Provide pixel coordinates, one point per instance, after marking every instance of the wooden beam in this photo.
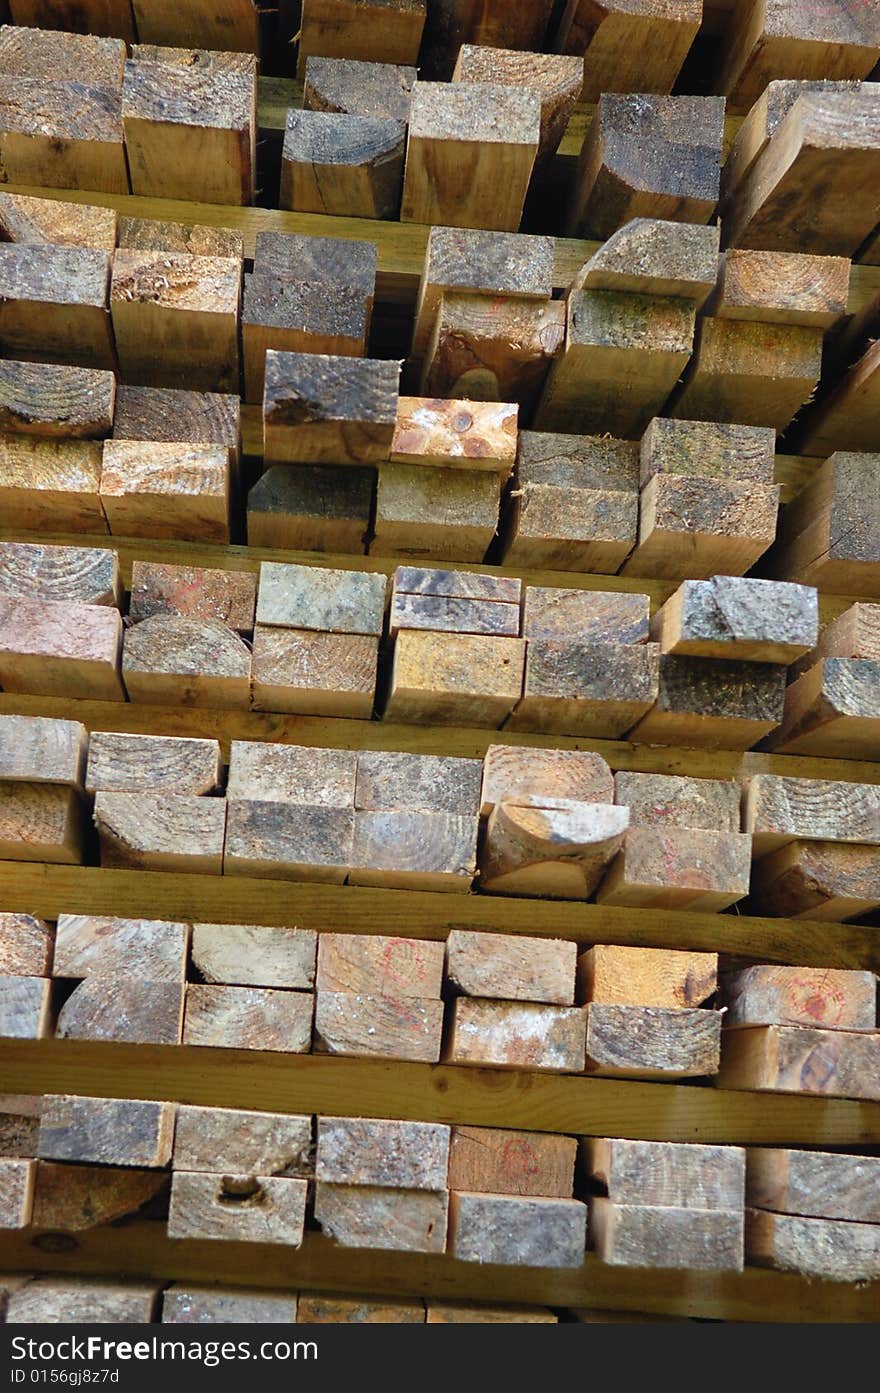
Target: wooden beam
(628, 48)
(374, 31)
(108, 17)
(342, 164)
(557, 80)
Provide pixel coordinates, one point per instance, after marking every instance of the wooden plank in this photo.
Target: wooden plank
(249, 1018)
(237, 1208)
(194, 1305)
(678, 868)
(311, 508)
(191, 662)
(161, 832)
(49, 1299)
(219, 24)
(419, 850)
(292, 774)
(774, 41)
(190, 129)
(731, 617)
(365, 1216)
(25, 1008)
(650, 157)
(40, 750)
(64, 134)
(470, 435)
(46, 484)
(824, 141)
(380, 31)
(426, 783)
(378, 1027)
(707, 449)
(71, 1199)
(509, 773)
(650, 256)
(672, 979)
(283, 841)
(454, 678)
(160, 489)
(390, 1155)
(799, 996)
(106, 17)
(781, 288)
(556, 78)
(562, 1103)
(135, 763)
(668, 1175)
(228, 596)
(26, 948)
(54, 304)
(623, 355)
(470, 154)
(157, 413)
(175, 313)
(104, 1131)
(516, 1035)
(449, 613)
(817, 880)
(17, 1181)
(511, 969)
(829, 535)
(517, 25)
(436, 514)
(299, 317)
(629, 48)
(106, 946)
(755, 1294)
(353, 88)
(842, 418)
(832, 1250)
(492, 347)
(555, 852)
(41, 822)
(713, 703)
(37, 221)
(342, 164)
(574, 504)
(660, 800)
(379, 966)
(648, 1236)
(82, 575)
(50, 647)
(517, 1231)
(831, 707)
(349, 1310)
(745, 370)
(577, 616)
(125, 1010)
(817, 1184)
(651, 1042)
(245, 955)
(490, 1160)
(362, 912)
(801, 1059)
(299, 671)
(351, 415)
(39, 399)
(152, 235)
(778, 810)
(592, 689)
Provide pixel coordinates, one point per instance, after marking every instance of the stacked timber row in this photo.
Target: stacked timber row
(238, 788)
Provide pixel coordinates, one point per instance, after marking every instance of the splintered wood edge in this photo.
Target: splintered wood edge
(142, 1249)
(47, 891)
(453, 1094)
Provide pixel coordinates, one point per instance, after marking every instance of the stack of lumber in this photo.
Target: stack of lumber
(646, 1012)
(440, 494)
(832, 705)
(56, 1300)
(166, 122)
(305, 295)
(800, 1030)
(515, 1003)
(184, 644)
(683, 848)
(802, 173)
(316, 640)
(814, 1212)
(42, 767)
(631, 315)
(486, 326)
(758, 351)
(816, 846)
(667, 1205)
